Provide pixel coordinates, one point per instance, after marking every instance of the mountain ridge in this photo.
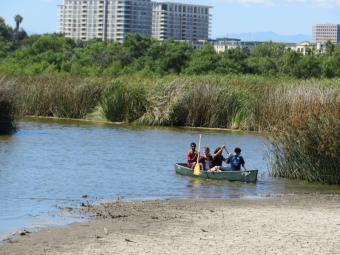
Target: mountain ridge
(269, 36)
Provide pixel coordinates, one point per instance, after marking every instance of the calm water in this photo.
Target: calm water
(48, 165)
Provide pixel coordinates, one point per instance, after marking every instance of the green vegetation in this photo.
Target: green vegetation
(144, 81)
(239, 102)
(53, 54)
(309, 150)
(53, 96)
(7, 110)
(123, 103)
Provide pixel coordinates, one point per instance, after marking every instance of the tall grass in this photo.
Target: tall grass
(239, 102)
(277, 107)
(184, 102)
(309, 150)
(55, 96)
(7, 110)
(305, 115)
(123, 103)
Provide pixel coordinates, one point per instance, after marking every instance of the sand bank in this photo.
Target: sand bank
(291, 224)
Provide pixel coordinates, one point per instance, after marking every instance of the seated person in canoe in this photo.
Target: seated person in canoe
(212, 163)
(206, 159)
(192, 156)
(218, 158)
(236, 160)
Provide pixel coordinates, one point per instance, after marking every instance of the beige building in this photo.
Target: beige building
(305, 48)
(223, 44)
(185, 22)
(326, 32)
(104, 19)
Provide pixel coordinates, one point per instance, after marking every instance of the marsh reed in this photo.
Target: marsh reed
(309, 150)
(66, 97)
(7, 111)
(304, 115)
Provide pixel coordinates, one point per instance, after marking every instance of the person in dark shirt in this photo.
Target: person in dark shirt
(206, 159)
(217, 157)
(236, 160)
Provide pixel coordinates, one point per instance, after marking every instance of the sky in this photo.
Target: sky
(286, 17)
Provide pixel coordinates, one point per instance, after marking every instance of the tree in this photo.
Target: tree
(203, 61)
(308, 67)
(329, 67)
(136, 45)
(269, 49)
(5, 30)
(288, 63)
(233, 61)
(168, 56)
(329, 48)
(18, 19)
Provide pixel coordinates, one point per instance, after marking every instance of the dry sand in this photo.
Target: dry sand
(291, 224)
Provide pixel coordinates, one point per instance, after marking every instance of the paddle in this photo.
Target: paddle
(197, 168)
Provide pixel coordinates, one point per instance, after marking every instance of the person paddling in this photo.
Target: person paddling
(217, 158)
(213, 163)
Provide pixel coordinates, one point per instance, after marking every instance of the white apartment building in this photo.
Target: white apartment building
(184, 22)
(304, 48)
(104, 19)
(223, 44)
(326, 32)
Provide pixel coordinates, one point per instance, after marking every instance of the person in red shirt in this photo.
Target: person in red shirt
(192, 155)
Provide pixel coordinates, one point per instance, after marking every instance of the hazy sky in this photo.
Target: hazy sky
(229, 16)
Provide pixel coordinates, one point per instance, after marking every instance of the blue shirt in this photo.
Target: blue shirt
(235, 162)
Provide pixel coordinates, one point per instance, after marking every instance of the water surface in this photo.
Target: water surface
(51, 164)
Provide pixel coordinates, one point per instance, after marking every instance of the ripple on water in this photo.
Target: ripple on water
(48, 165)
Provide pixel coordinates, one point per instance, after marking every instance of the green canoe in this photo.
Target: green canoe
(242, 176)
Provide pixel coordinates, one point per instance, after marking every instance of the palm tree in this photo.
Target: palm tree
(18, 19)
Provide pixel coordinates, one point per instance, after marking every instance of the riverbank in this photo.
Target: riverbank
(251, 103)
(289, 224)
(93, 121)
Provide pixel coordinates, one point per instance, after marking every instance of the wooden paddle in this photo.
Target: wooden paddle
(197, 168)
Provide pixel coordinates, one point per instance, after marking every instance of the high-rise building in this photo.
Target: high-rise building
(178, 21)
(113, 19)
(104, 19)
(326, 32)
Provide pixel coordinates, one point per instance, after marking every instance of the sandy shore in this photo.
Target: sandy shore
(291, 224)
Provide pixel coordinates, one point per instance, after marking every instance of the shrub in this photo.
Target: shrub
(56, 96)
(309, 150)
(123, 103)
(7, 110)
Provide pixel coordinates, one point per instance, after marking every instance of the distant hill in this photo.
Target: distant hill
(269, 36)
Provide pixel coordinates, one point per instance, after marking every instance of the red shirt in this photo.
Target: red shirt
(192, 156)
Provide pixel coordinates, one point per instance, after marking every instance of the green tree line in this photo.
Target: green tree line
(54, 54)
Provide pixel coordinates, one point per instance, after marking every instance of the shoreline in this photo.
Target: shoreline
(125, 124)
(286, 224)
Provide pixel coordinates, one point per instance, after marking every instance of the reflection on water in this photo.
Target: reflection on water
(51, 164)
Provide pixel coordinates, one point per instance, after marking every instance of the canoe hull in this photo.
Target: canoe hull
(242, 176)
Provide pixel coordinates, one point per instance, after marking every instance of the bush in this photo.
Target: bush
(122, 103)
(56, 96)
(7, 110)
(195, 102)
(309, 150)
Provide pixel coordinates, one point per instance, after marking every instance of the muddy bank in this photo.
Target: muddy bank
(291, 224)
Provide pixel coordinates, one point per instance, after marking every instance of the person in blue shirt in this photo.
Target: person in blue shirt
(236, 160)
